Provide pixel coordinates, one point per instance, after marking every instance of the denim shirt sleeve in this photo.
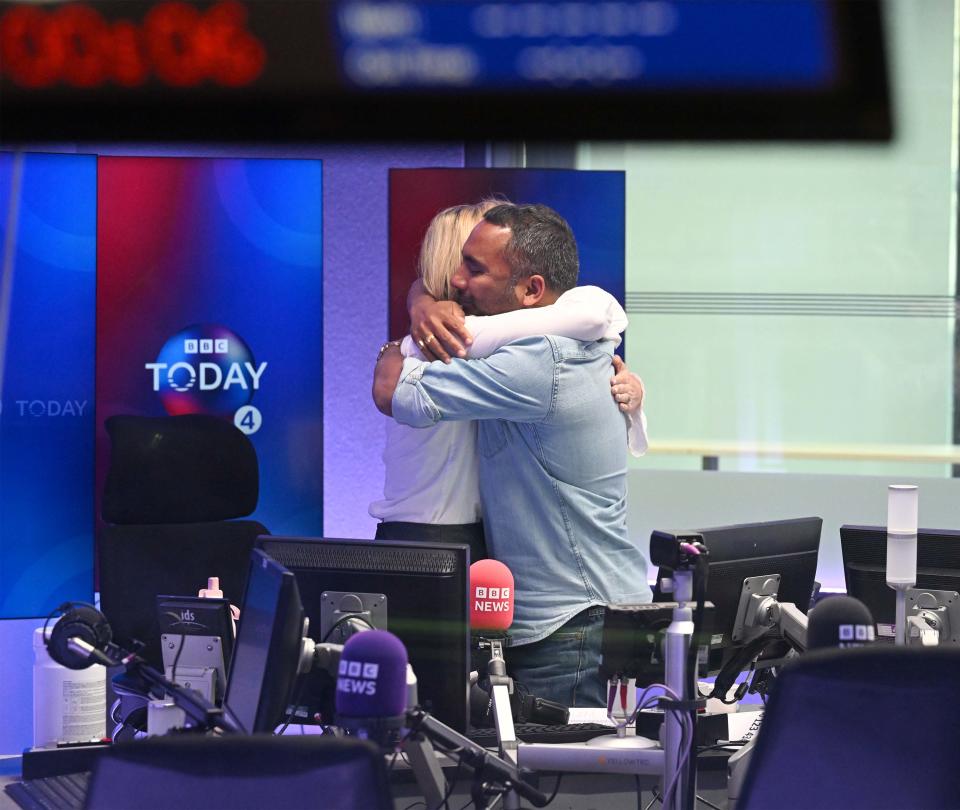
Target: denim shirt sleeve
(516, 382)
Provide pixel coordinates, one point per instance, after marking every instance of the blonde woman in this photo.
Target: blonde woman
(431, 487)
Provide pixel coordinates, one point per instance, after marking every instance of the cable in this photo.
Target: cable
(176, 658)
(556, 788)
(655, 798)
(686, 731)
(451, 787)
(343, 620)
(742, 658)
(704, 801)
(293, 698)
(681, 762)
(701, 571)
(229, 713)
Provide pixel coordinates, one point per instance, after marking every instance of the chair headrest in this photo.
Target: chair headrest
(178, 469)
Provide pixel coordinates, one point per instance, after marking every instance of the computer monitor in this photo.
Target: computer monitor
(864, 550)
(785, 547)
(266, 652)
(425, 586)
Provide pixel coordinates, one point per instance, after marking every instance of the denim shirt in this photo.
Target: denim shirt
(552, 448)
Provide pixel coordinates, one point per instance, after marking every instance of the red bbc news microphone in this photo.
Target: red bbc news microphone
(491, 613)
(491, 598)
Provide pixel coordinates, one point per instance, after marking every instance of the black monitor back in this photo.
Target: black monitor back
(786, 547)
(864, 550)
(266, 652)
(427, 608)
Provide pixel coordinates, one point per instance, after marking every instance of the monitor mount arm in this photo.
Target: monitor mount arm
(760, 614)
(933, 617)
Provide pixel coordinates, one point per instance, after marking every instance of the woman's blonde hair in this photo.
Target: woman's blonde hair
(440, 251)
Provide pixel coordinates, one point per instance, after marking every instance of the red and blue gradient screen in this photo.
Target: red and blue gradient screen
(48, 245)
(209, 282)
(195, 286)
(593, 202)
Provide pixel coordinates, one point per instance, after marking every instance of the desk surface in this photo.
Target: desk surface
(578, 791)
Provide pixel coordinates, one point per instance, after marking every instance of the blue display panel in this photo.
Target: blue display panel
(48, 237)
(657, 44)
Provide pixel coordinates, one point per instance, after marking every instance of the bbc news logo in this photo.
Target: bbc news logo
(358, 677)
(491, 600)
(209, 368)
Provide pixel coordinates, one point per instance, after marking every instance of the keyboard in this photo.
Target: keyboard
(538, 733)
(64, 792)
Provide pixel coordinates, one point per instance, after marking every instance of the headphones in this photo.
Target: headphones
(77, 620)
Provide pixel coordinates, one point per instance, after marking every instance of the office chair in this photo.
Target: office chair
(872, 727)
(239, 772)
(173, 490)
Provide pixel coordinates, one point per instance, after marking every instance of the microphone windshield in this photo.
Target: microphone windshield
(839, 621)
(372, 676)
(491, 596)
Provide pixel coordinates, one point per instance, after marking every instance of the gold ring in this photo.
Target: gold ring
(428, 338)
(421, 344)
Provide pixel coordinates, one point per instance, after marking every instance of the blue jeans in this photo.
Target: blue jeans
(563, 666)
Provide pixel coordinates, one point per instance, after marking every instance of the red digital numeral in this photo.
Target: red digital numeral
(177, 43)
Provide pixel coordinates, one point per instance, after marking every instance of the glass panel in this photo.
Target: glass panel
(793, 306)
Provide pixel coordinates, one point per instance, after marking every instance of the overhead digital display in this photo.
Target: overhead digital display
(460, 69)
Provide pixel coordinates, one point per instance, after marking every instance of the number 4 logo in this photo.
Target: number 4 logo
(248, 419)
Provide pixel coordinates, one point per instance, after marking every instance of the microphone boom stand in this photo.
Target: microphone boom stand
(501, 685)
(204, 714)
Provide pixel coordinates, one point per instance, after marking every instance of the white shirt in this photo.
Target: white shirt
(432, 473)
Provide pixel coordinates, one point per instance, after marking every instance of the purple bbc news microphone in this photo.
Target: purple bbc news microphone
(371, 696)
(372, 701)
(840, 621)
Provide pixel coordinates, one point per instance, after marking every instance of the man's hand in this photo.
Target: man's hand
(386, 375)
(438, 327)
(626, 387)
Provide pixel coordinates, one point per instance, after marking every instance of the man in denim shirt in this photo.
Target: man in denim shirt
(552, 460)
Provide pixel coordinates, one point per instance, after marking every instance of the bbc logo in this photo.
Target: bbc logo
(492, 593)
(855, 632)
(206, 346)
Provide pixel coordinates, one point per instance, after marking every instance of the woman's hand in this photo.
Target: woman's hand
(626, 387)
(439, 328)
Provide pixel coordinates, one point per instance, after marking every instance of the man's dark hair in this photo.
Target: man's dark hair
(541, 243)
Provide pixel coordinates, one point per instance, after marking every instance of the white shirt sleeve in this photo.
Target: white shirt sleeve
(583, 313)
(410, 349)
(637, 432)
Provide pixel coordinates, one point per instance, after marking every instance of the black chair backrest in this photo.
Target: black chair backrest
(174, 487)
(871, 727)
(241, 771)
(178, 469)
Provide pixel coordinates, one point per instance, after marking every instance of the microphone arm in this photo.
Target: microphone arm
(501, 685)
(203, 713)
(474, 756)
